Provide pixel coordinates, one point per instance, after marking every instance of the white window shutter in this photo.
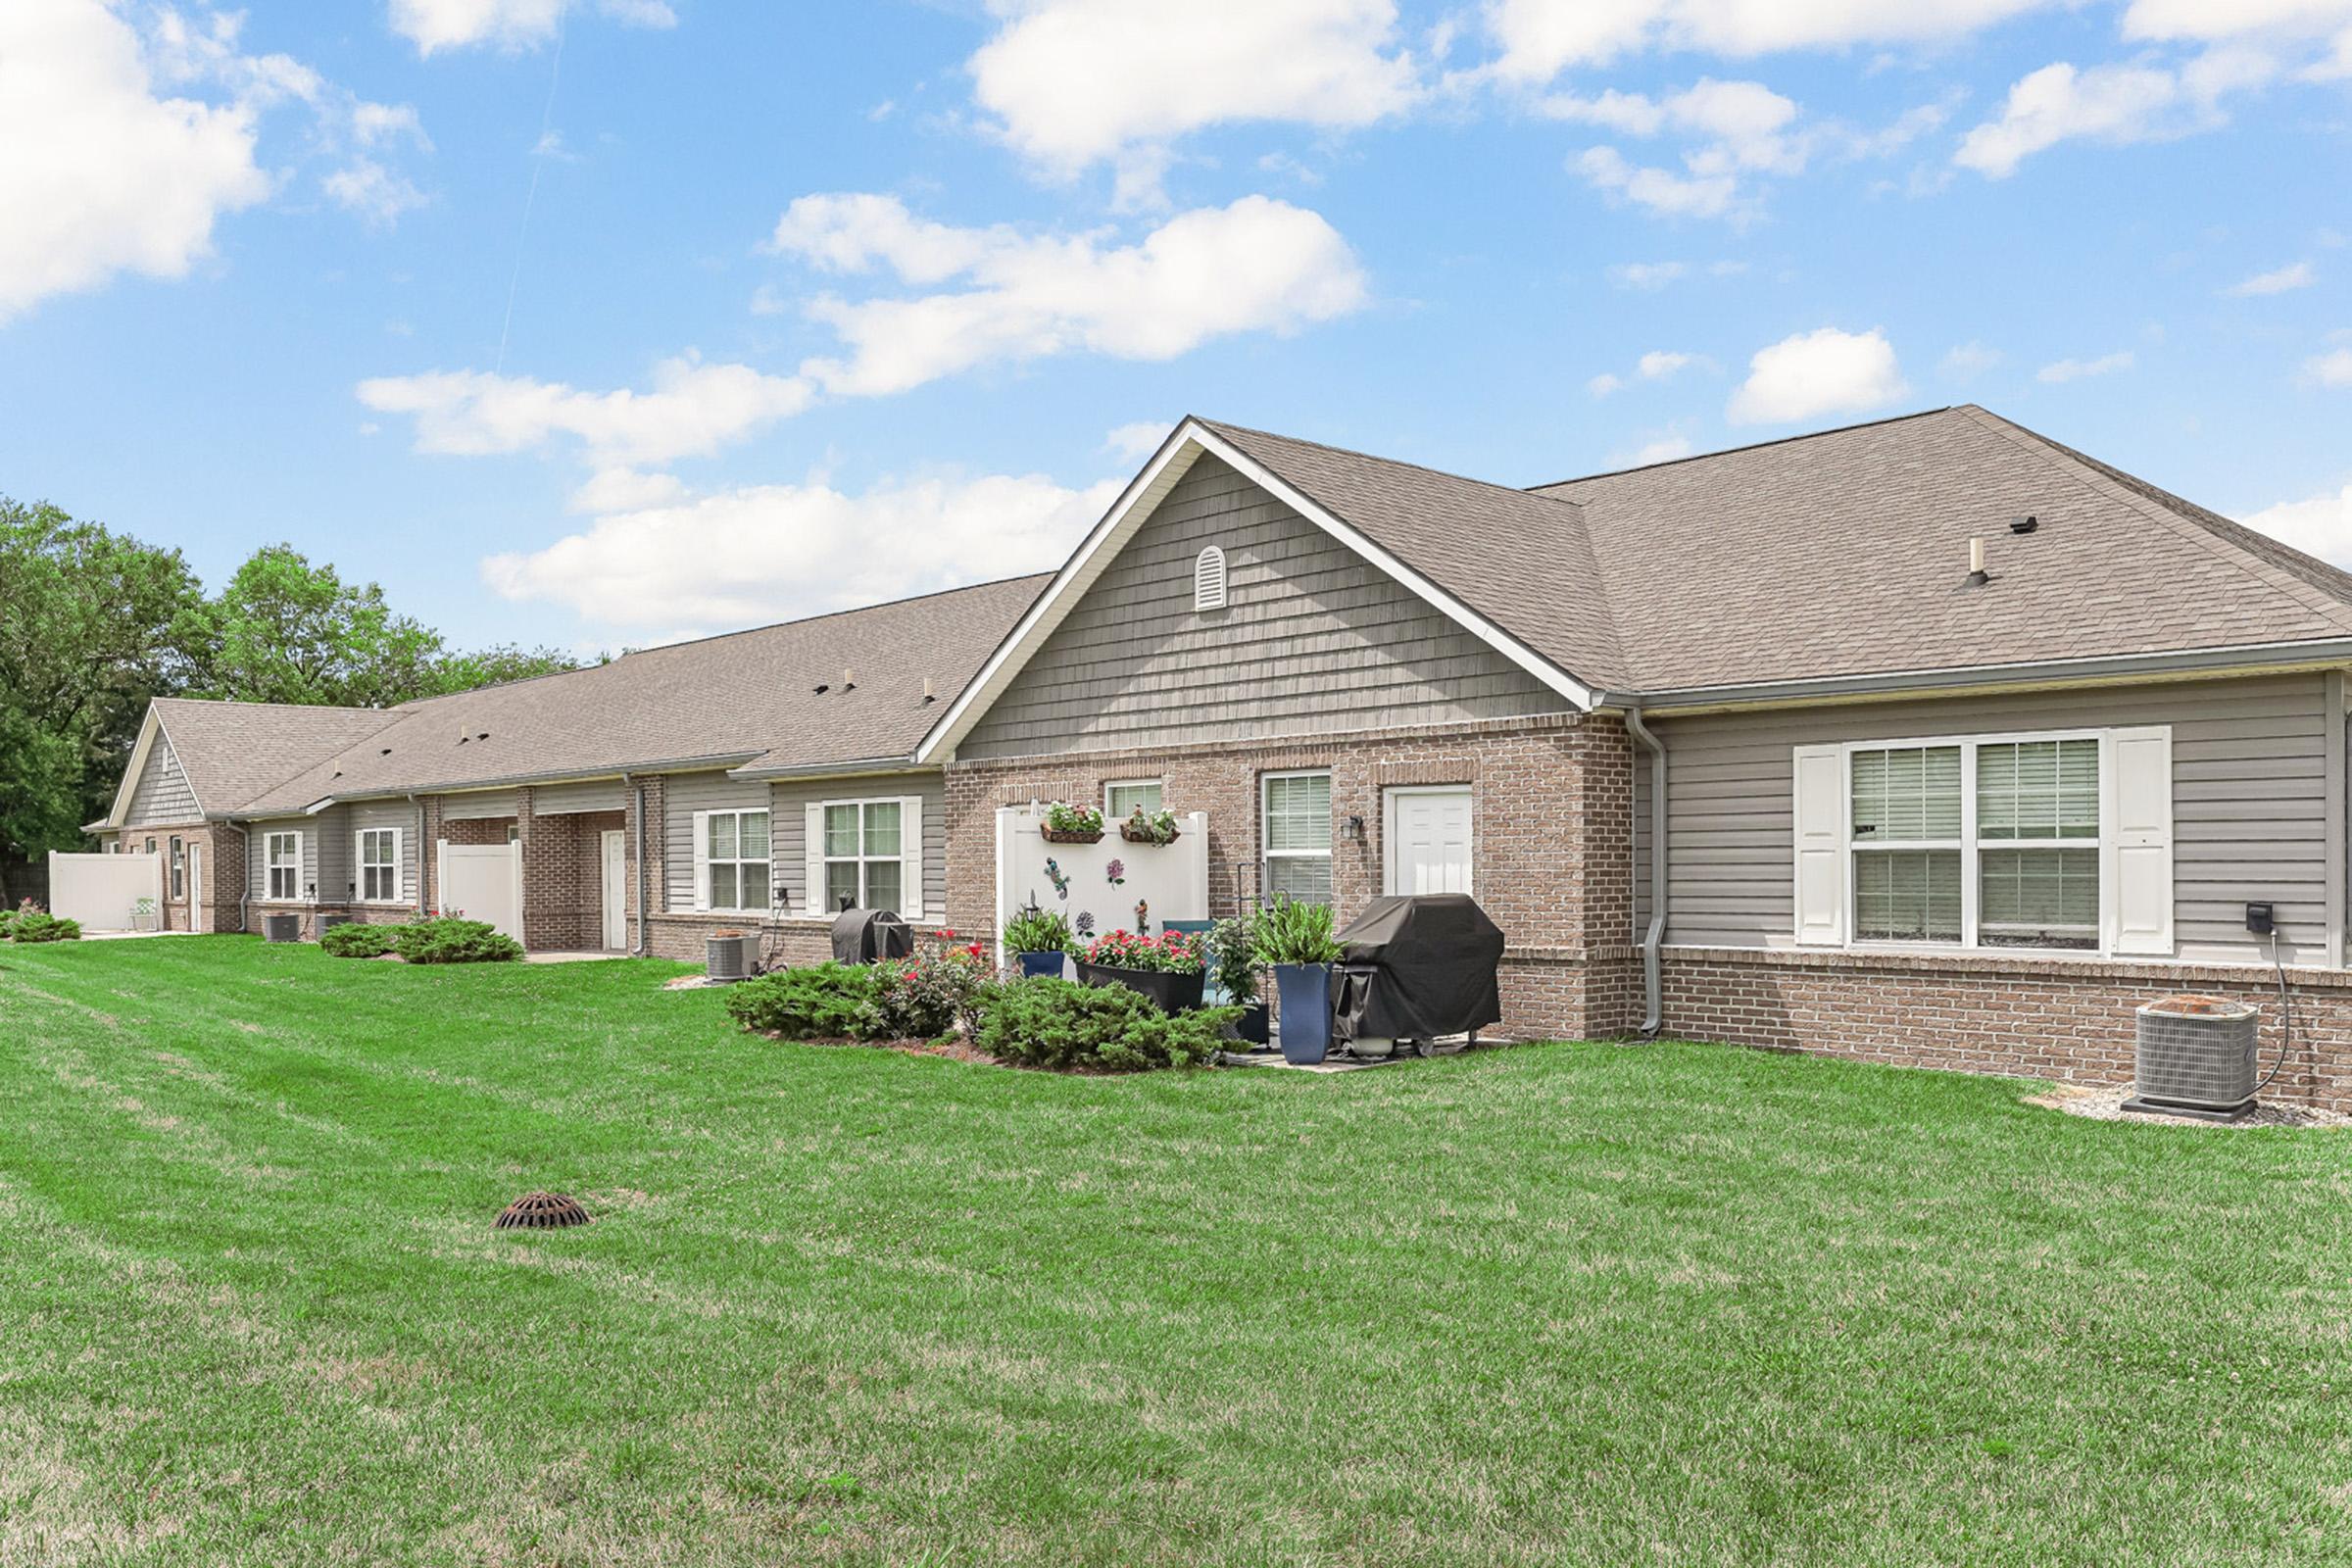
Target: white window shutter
(399, 864)
(813, 853)
(702, 860)
(2138, 807)
(1821, 870)
(910, 857)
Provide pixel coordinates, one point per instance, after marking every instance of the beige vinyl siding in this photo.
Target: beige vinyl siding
(162, 794)
(683, 795)
(2249, 805)
(477, 804)
(399, 814)
(318, 857)
(556, 800)
(1314, 640)
(791, 829)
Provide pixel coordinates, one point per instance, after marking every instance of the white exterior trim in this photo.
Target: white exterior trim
(359, 865)
(118, 815)
(1136, 503)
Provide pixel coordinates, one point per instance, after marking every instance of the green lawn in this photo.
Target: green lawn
(1563, 1303)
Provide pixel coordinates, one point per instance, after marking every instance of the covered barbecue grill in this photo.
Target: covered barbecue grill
(1417, 967)
(860, 936)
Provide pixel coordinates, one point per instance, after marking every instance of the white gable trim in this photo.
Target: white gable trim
(1129, 513)
(149, 728)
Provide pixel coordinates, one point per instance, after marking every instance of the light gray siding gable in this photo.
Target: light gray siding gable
(1313, 639)
(162, 794)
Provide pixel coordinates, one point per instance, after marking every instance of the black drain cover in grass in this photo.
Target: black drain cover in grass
(542, 1211)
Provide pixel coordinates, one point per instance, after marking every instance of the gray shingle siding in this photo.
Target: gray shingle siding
(792, 836)
(386, 814)
(2249, 805)
(683, 795)
(1315, 639)
(162, 794)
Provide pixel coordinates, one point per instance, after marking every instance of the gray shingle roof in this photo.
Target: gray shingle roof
(234, 751)
(746, 698)
(1521, 559)
(1847, 554)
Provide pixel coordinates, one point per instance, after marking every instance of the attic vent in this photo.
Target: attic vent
(386, 752)
(1208, 579)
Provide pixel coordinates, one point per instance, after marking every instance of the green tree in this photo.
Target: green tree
(501, 662)
(90, 625)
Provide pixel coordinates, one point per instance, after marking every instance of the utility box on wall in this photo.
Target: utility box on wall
(1076, 882)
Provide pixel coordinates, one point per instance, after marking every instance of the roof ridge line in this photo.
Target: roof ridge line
(778, 625)
(2087, 472)
(1374, 456)
(1751, 446)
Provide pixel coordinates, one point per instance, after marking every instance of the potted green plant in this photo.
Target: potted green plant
(1294, 941)
(1149, 827)
(1072, 824)
(1232, 947)
(1040, 942)
(1168, 970)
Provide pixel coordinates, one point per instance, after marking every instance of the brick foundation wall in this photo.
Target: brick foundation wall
(1551, 808)
(2056, 1018)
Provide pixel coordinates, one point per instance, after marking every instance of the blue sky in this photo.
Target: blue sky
(608, 321)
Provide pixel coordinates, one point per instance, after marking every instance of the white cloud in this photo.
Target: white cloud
(1971, 359)
(1073, 83)
(1661, 190)
(1538, 39)
(1659, 449)
(1138, 440)
(2110, 103)
(373, 191)
(1256, 265)
(432, 24)
(2333, 369)
(1660, 365)
(2064, 371)
(692, 410)
(2222, 20)
(1647, 274)
(763, 552)
(1601, 385)
(101, 175)
(2321, 525)
(2279, 281)
(626, 490)
(1812, 374)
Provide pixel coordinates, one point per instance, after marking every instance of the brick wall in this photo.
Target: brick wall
(213, 905)
(2058, 1018)
(1551, 806)
(563, 877)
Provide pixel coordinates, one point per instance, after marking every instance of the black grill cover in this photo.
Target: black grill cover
(1418, 967)
(860, 936)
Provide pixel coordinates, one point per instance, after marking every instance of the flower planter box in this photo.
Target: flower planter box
(1133, 836)
(1063, 835)
(1171, 993)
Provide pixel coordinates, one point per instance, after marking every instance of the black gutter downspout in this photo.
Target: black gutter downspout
(1652, 991)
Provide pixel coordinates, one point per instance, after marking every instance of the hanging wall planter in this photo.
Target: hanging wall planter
(1072, 824)
(1153, 828)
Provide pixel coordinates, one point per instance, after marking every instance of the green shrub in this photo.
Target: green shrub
(923, 996)
(821, 1001)
(354, 941)
(446, 939)
(1055, 1023)
(1290, 932)
(32, 925)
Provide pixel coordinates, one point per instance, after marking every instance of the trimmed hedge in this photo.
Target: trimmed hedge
(1056, 1023)
(446, 939)
(822, 1002)
(34, 925)
(358, 941)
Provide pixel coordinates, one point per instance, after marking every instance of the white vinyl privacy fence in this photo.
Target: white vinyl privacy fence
(102, 891)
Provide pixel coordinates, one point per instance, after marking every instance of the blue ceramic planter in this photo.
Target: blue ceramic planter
(1046, 965)
(1306, 993)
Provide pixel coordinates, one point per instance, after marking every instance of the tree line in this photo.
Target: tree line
(93, 623)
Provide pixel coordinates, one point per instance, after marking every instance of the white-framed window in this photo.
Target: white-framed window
(1208, 579)
(179, 868)
(1122, 798)
(281, 859)
(378, 856)
(2057, 841)
(1296, 833)
(736, 867)
(864, 854)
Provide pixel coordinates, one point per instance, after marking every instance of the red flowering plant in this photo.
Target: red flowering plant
(1172, 952)
(927, 994)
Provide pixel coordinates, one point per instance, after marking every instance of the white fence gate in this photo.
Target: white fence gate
(1076, 880)
(102, 891)
(482, 882)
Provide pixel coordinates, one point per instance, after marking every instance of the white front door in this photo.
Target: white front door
(1429, 840)
(616, 889)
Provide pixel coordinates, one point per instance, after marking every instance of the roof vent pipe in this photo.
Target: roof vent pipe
(848, 679)
(1977, 576)
(929, 696)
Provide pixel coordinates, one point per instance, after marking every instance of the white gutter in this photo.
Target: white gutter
(1652, 986)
